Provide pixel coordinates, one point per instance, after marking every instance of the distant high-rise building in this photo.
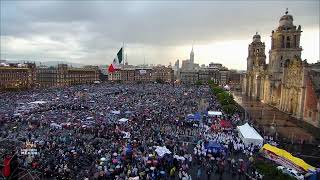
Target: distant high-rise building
(192, 56)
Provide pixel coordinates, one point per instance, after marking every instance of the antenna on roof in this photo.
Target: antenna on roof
(286, 11)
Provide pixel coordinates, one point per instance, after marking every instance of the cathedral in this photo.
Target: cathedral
(287, 82)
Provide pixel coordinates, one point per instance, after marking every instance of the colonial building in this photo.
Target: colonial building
(189, 76)
(62, 75)
(17, 76)
(115, 76)
(165, 74)
(217, 75)
(283, 83)
(127, 74)
(143, 74)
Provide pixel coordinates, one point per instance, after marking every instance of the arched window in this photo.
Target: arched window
(288, 42)
(282, 41)
(295, 41)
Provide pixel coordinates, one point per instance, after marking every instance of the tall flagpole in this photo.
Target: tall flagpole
(122, 52)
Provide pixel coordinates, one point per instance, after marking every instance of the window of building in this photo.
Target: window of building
(282, 41)
(288, 42)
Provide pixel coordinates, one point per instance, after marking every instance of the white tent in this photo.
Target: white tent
(55, 126)
(115, 112)
(161, 151)
(127, 135)
(123, 120)
(249, 135)
(214, 113)
(38, 102)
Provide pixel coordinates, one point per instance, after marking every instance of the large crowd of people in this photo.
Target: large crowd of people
(118, 131)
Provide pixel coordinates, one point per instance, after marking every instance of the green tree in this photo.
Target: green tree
(199, 83)
(211, 82)
(229, 109)
(269, 171)
(217, 90)
(159, 80)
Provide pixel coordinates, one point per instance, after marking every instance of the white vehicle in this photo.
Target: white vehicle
(291, 172)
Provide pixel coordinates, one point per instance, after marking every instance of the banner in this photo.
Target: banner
(285, 159)
(142, 72)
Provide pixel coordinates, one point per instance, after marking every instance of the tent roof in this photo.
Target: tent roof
(213, 144)
(215, 113)
(123, 120)
(249, 132)
(225, 124)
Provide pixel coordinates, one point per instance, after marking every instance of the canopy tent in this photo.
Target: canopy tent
(249, 135)
(55, 125)
(226, 87)
(213, 146)
(161, 151)
(127, 135)
(38, 102)
(179, 157)
(115, 112)
(214, 113)
(194, 117)
(225, 124)
(123, 120)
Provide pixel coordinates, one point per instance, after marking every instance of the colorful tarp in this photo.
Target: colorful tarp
(284, 155)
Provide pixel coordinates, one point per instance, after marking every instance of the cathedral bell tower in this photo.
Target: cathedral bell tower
(256, 53)
(285, 43)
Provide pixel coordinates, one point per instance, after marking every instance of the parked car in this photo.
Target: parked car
(291, 172)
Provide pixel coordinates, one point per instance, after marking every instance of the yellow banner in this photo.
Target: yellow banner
(284, 154)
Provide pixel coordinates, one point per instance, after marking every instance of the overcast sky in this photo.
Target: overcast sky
(157, 31)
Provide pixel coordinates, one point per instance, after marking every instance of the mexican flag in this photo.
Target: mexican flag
(116, 62)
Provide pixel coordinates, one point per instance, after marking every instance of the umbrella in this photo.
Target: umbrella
(152, 168)
(240, 160)
(115, 154)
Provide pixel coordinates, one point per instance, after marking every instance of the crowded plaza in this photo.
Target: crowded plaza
(123, 132)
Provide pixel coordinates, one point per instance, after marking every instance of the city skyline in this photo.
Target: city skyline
(159, 32)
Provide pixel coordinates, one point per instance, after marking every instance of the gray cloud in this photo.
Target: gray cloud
(99, 28)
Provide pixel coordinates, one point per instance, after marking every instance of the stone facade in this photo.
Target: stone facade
(143, 74)
(218, 76)
(62, 75)
(17, 76)
(285, 82)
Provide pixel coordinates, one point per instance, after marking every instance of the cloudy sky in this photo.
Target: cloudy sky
(158, 31)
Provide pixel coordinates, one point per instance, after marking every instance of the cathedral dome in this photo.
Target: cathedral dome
(257, 37)
(286, 20)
